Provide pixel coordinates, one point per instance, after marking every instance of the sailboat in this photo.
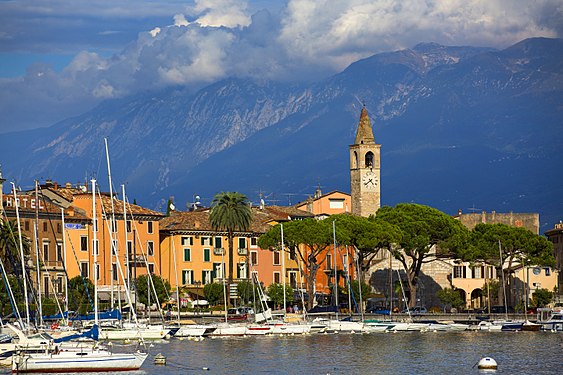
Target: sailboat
(81, 357)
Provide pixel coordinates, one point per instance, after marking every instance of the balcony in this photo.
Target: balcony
(242, 251)
(218, 251)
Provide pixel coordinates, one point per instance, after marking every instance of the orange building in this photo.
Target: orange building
(126, 249)
(194, 254)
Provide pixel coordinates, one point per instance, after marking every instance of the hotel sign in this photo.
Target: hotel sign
(23, 202)
(74, 226)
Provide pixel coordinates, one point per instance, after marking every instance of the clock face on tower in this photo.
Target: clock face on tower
(369, 180)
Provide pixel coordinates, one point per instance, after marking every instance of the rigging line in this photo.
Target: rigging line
(15, 309)
(120, 271)
(145, 258)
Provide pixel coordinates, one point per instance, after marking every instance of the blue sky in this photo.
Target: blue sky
(59, 58)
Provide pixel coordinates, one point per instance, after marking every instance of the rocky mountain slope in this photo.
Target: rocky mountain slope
(460, 128)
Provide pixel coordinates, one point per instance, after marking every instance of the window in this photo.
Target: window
(128, 224)
(83, 243)
(151, 268)
(217, 270)
(253, 258)
(253, 242)
(218, 242)
(207, 255)
(329, 264)
(277, 277)
(206, 241)
(59, 230)
(277, 258)
(46, 251)
(98, 272)
(477, 272)
(114, 248)
(84, 269)
(187, 277)
(336, 203)
(59, 284)
(187, 255)
(95, 250)
(547, 271)
(129, 247)
(369, 159)
(26, 225)
(46, 285)
(113, 226)
(150, 248)
(149, 227)
(242, 243)
(114, 271)
(44, 226)
(293, 279)
(206, 277)
(459, 272)
(241, 271)
(59, 252)
(187, 241)
(95, 224)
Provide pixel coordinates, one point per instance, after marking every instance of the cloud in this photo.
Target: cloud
(207, 40)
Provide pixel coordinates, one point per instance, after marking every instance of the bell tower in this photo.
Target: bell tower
(365, 167)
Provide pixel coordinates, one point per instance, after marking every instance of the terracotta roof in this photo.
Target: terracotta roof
(199, 220)
(133, 209)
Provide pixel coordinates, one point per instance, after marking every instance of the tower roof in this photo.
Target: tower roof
(364, 133)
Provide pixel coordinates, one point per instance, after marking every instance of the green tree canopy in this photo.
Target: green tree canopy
(230, 211)
(421, 228)
(81, 294)
(213, 293)
(306, 240)
(366, 236)
(161, 286)
(275, 292)
(451, 298)
(247, 291)
(517, 246)
(10, 248)
(542, 297)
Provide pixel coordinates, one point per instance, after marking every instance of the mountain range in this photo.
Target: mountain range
(461, 128)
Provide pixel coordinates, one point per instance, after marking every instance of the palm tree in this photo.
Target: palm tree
(9, 244)
(230, 212)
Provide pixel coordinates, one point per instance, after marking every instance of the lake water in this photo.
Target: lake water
(385, 353)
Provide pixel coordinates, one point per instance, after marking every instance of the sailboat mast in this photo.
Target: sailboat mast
(64, 259)
(128, 278)
(176, 276)
(113, 227)
(22, 257)
(283, 272)
(503, 282)
(95, 250)
(36, 242)
(334, 262)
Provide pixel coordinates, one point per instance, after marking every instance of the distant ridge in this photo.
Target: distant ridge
(459, 126)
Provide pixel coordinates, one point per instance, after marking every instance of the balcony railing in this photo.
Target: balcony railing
(242, 251)
(218, 251)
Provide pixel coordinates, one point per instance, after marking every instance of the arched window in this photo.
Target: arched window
(355, 161)
(369, 159)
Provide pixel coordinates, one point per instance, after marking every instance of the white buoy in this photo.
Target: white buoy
(159, 359)
(487, 363)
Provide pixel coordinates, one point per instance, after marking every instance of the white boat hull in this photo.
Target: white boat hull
(77, 361)
(146, 333)
(194, 330)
